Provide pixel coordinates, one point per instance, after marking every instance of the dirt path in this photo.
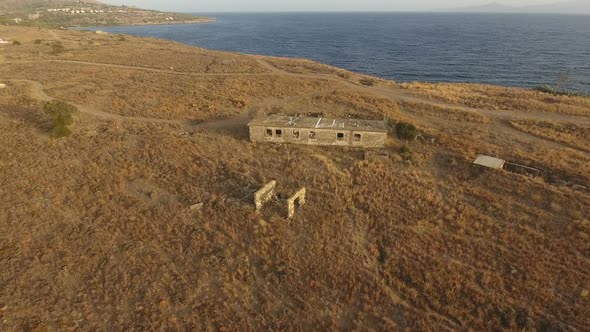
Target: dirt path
(37, 92)
(147, 69)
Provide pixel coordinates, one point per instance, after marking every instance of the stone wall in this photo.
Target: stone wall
(320, 136)
(377, 155)
(264, 194)
(521, 169)
(297, 200)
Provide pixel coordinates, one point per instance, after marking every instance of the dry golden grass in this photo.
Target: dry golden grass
(98, 235)
(501, 98)
(571, 134)
(366, 105)
(301, 66)
(446, 113)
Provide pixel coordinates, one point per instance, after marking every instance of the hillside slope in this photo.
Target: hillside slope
(578, 7)
(69, 13)
(98, 233)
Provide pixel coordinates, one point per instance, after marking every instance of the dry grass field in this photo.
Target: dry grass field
(572, 134)
(98, 234)
(502, 98)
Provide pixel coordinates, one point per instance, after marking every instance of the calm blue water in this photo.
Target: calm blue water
(503, 49)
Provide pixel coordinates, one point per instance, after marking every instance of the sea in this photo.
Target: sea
(523, 50)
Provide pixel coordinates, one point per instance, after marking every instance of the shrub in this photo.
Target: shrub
(37, 41)
(344, 75)
(406, 131)
(557, 91)
(60, 131)
(367, 82)
(62, 115)
(57, 48)
(16, 42)
(406, 152)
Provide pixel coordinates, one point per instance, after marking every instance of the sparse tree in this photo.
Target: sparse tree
(62, 115)
(57, 48)
(406, 152)
(406, 131)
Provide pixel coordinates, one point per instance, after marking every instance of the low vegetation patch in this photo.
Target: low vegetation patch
(447, 113)
(406, 131)
(558, 92)
(406, 152)
(57, 48)
(571, 134)
(502, 98)
(367, 82)
(62, 115)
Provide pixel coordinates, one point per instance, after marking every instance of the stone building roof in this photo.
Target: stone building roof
(280, 121)
(490, 162)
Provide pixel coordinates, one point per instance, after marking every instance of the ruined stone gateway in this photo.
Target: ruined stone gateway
(319, 131)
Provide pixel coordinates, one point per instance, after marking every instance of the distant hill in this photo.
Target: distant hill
(16, 5)
(68, 13)
(570, 7)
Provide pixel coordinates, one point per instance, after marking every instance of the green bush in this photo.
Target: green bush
(62, 115)
(406, 131)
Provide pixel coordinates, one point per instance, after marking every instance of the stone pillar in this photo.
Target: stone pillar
(291, 202)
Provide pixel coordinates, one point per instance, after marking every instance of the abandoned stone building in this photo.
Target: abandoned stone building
(318, 131)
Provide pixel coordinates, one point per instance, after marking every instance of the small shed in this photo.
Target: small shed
(489, 162)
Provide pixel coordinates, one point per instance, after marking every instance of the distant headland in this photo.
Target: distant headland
(77, 13)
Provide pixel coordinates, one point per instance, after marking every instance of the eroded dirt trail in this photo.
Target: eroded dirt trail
(140, 68)
(37, 92)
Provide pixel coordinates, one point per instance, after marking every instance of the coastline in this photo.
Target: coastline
(369, 76)
(200, 21)
(389, 58)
